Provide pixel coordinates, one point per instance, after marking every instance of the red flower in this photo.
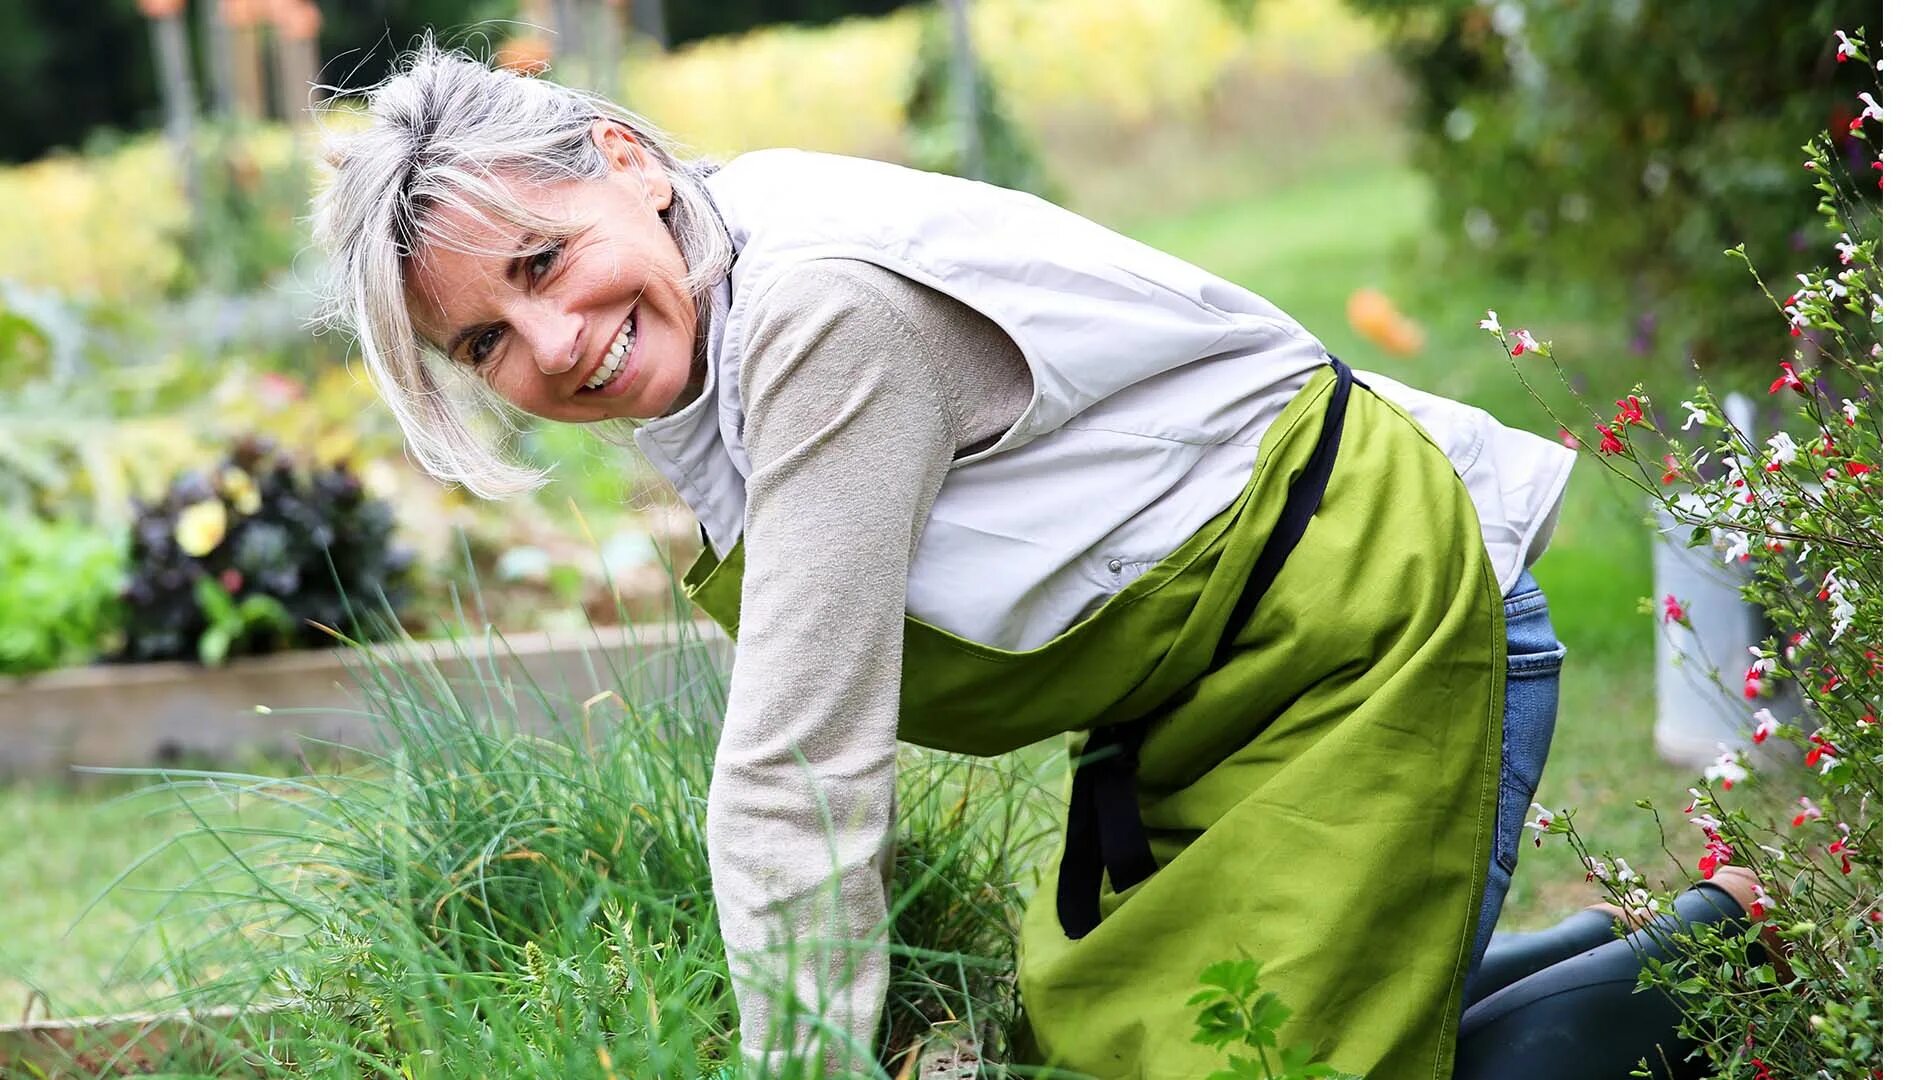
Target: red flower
(1609, 441)
(231, 580)
(1673, 469)
(1568, 440)
(1821, 749)
(1719, 853)
(1883, 175)
(1858, 468)
(1629, 411)
(1790, 380)
(1839, 847)
(1760, 1070)
(1675, 612)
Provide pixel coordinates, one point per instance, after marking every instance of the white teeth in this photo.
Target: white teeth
(615, 359)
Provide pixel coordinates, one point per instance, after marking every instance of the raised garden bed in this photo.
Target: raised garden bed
(145, 714)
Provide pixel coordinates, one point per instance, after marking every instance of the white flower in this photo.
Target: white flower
(1737, 548)
(1727, 770)
(1695, 415)
(1492, 323)
(1762, 663)
(1773, 851)
(1706, 821)
(1873, 110)
(1641, 904)
(1597, 868)
(1540, 818)
(1627, 875)
(1782, 446)
(1698, 798)
(1837, 588)
(1878, 315)
(1835, 290)
(1875, 351)
(1849, 410)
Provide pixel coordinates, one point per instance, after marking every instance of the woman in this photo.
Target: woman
(1080, 473)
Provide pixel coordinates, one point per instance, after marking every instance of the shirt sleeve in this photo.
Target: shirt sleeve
(850, 435)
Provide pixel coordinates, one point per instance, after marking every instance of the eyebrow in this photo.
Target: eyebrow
(507, 270)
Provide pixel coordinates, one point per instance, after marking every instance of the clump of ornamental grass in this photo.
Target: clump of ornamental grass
(515, 883)
(1796, 992)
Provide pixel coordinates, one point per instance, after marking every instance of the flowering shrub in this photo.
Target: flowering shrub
(1620, 147)
(1796, 993)
(251, 555)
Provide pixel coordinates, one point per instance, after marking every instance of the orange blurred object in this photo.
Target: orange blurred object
(299, 21)
(241, 12)
(525, 55)
(161, 9)
(1373, 316)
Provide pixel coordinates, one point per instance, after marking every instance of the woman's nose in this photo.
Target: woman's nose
(557, 342)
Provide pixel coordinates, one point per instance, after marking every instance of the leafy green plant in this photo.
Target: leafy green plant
(1235, 1012)
(1618, 148)
(59, 589)
(1797, 991)
(230, 621)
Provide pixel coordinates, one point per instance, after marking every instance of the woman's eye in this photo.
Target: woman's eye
(541, 262)
(483, 344)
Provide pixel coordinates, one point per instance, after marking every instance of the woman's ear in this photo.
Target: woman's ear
(627, 156)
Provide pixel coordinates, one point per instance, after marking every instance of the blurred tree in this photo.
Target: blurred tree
(975, 139)
(68, 68)
(1625, 145)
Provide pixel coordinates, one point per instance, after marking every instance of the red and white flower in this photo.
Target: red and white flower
(1847, 249)
(1765, 725)
(1849, 410)
(1846, 50)
(1843, 848)
(1523, 342)
(1809, 811)
(1540, 820)
(1873, 111)
(1762, 903)
(1790, 381)
(1784, 450)
(1727, 770)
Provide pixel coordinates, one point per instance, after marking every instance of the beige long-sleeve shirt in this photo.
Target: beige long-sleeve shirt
(859, 388)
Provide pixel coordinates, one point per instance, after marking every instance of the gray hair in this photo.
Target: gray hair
(448, 134)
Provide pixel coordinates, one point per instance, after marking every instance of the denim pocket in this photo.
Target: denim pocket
(1534, 659)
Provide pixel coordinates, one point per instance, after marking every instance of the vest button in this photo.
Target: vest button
(1113, 565)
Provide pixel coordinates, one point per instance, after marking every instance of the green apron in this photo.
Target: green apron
(1316, 790)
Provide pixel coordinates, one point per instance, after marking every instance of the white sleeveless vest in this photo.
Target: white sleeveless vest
(1153, 384)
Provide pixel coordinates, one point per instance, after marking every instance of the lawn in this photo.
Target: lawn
(1307, 246)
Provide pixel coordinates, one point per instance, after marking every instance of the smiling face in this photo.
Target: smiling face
(591, 326)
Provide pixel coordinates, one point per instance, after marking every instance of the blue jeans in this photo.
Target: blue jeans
(1533, 698)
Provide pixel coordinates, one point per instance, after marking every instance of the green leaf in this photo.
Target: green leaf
(214, 644)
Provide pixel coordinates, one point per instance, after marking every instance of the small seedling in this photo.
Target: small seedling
(1234, 1011)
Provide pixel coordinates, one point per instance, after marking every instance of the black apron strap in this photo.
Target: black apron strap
(1105, 836)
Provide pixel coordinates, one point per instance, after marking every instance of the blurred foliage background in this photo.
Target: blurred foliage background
(1384, 170)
